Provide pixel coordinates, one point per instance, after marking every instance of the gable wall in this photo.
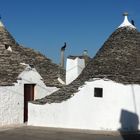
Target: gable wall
(84, 111)
(31, 76)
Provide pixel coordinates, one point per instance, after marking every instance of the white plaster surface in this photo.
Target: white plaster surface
(73, 68)
(12, 97)
(11, 105)
(1, 24)
(9, 48)
(118, 109)
(61, 81)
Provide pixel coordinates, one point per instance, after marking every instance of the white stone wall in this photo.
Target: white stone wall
(11, 105)
(73, 68)
(12, 97)
(118, 109)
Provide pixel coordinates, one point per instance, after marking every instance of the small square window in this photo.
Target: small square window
(98, 92)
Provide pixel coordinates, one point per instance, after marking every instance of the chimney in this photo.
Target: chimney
(85, 55)
(62, 54)
(74, 67)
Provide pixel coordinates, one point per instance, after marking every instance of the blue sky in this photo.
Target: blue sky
(84, 24)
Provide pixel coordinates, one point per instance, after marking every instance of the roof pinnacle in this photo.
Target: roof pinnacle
(125, 14)
(1, 24)
(126, 23)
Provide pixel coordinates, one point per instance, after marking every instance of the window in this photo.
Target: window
(98, 92)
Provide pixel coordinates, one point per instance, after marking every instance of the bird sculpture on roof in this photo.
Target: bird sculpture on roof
(63, 47)
(133, 23)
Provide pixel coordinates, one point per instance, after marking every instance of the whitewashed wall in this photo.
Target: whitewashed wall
(119, 106)
(11, 105)
(73, 68)
(12, 97)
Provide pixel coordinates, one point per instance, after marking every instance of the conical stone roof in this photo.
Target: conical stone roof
(10, 60)
(118, 60)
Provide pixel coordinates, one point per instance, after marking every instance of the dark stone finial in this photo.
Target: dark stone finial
(125, 14)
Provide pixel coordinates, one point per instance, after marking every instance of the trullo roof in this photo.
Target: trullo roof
(118, 60)
(12, 55)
